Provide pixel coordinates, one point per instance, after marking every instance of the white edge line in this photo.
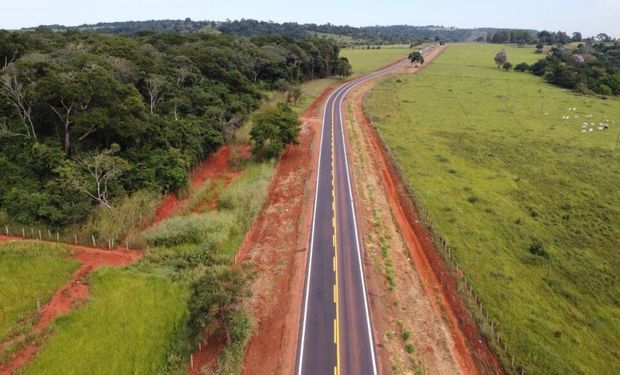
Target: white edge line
(316, 195)
(357, 244)
(346, 87)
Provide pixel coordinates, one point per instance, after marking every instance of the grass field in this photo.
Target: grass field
(29, 271)
(366, 60)
(128, 327)
(530, 204)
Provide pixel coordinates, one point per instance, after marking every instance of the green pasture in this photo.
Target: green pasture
(129, 326)
(29, 271)
(367, 60)
(529, 201)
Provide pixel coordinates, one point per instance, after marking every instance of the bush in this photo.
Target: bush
(273, 129)
(538, 248)
(507, 66)
(539, 67)
(405, 335)
(522, 67)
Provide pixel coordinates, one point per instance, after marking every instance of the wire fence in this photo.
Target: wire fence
(113, 241)
(489, 327)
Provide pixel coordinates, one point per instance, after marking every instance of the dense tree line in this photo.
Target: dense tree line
(591, 67)
(89, 117)
(394, 34)
(512, 36)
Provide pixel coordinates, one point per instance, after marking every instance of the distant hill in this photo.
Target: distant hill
(346, 35)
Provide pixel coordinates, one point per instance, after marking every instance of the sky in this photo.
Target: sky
(587, 16)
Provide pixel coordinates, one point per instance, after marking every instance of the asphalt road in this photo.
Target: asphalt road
(336, 335)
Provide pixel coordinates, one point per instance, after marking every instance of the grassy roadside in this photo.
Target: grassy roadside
(528, 202)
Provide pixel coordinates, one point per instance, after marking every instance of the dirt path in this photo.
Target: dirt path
(73, 293)
(423, 299)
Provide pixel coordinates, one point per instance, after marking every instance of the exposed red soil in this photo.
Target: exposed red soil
(215, 167)
(204, 359)
(472, 350)
(74, 292)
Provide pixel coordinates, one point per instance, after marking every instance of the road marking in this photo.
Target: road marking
(336, 326)
(340, 99)
(316, 196)
(343, 89)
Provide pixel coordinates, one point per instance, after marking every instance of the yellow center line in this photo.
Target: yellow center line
(336, 321)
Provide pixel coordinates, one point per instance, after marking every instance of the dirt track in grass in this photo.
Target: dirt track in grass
(70, 295)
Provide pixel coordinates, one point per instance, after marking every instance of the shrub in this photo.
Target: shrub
(273, 129)
(405, 335)
(522, 67)
(538, 248)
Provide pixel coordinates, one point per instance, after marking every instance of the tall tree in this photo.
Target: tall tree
(501, 58)
(16, 94)
(93, 172)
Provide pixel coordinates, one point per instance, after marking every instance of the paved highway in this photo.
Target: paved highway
(336, 335)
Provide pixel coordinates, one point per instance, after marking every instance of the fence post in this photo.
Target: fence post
(191, 360)
(49, 234)
(38, 305)
(23, 232)
(94, 243)
(7, 229)
(57, 237)
(75, 238)
(126, 246)
(40, 237)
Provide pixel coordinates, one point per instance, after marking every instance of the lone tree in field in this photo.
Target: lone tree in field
(501, 58)
(416, 57)
(273, 129)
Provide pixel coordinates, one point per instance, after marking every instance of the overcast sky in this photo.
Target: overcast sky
(588, 16)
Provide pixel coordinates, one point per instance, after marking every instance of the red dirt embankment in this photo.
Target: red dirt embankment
(215, 167)
(73, 293)
(277, 245)
(472, 350)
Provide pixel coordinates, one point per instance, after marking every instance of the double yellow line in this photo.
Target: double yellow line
(336, 324)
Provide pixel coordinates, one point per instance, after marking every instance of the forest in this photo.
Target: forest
(393, 34)
(588, 68)
(87, 118)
